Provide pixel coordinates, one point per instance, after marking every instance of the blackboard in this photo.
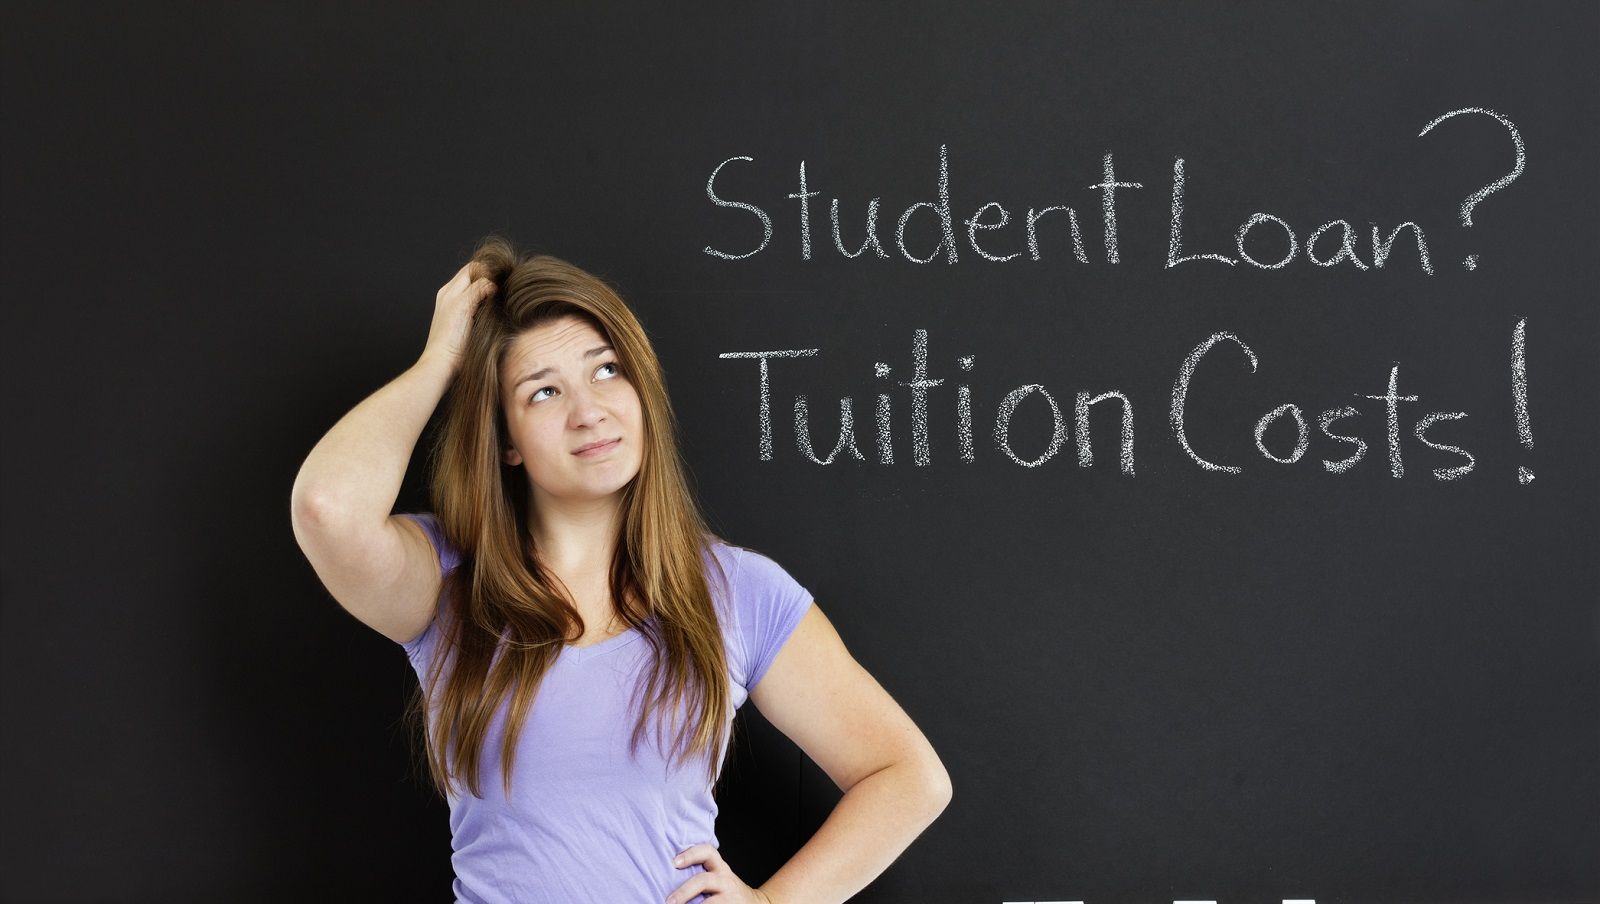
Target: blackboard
(1238, 662)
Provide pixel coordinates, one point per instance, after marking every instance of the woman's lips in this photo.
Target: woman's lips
(598, 450)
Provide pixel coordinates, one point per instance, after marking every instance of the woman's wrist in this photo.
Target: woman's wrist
(437, 365)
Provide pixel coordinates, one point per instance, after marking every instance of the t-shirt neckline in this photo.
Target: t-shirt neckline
(579, 654)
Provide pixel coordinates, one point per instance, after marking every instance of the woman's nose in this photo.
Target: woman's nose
(586, 408)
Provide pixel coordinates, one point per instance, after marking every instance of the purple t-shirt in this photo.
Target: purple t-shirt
(585, 821)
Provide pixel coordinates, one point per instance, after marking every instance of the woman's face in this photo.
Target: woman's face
(562, 389)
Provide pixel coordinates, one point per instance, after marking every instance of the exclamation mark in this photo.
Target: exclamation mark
(1519, 392)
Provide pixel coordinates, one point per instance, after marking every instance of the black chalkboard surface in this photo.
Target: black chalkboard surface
(1219, 494)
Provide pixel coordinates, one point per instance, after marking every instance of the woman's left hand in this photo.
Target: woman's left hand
(718, 880)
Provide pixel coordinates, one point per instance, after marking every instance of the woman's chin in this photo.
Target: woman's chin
(592, 484)
(603, 489)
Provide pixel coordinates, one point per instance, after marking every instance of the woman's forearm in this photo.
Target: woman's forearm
(872, 825)
(354, 472)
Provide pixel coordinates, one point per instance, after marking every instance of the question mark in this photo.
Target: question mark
(1471, 263)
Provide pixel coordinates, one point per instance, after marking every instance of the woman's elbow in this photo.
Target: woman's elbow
(937, 782)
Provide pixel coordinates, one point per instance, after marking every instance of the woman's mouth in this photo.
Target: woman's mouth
(594, 451)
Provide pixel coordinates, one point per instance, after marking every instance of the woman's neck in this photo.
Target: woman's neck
(577, 542)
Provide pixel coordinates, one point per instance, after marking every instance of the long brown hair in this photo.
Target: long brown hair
(657, 575)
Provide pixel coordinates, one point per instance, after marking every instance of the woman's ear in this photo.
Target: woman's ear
(511, 457)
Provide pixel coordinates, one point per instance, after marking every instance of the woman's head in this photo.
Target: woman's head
(546, 317)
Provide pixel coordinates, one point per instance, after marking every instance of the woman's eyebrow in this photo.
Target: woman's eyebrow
(543, 371)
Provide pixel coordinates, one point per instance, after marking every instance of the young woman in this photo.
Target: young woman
(574, 625)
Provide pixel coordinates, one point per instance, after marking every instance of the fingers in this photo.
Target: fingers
(699, 853)
(717, 879)
(482, 282)
(469, 272)
(463, 282)
(688, 891)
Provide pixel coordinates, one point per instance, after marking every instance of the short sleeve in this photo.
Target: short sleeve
(771, 604)
(449, 557)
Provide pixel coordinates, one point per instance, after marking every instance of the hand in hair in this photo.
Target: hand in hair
(454, 305)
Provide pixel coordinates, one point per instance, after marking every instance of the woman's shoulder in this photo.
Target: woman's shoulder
(721, 558)
(750, 569)
(766, 604)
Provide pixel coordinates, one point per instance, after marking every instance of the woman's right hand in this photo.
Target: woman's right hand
(454, 306)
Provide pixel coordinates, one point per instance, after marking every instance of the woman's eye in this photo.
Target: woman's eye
(615, 372)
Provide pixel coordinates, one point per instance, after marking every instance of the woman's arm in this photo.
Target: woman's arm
(381, 567)
(894, 784)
